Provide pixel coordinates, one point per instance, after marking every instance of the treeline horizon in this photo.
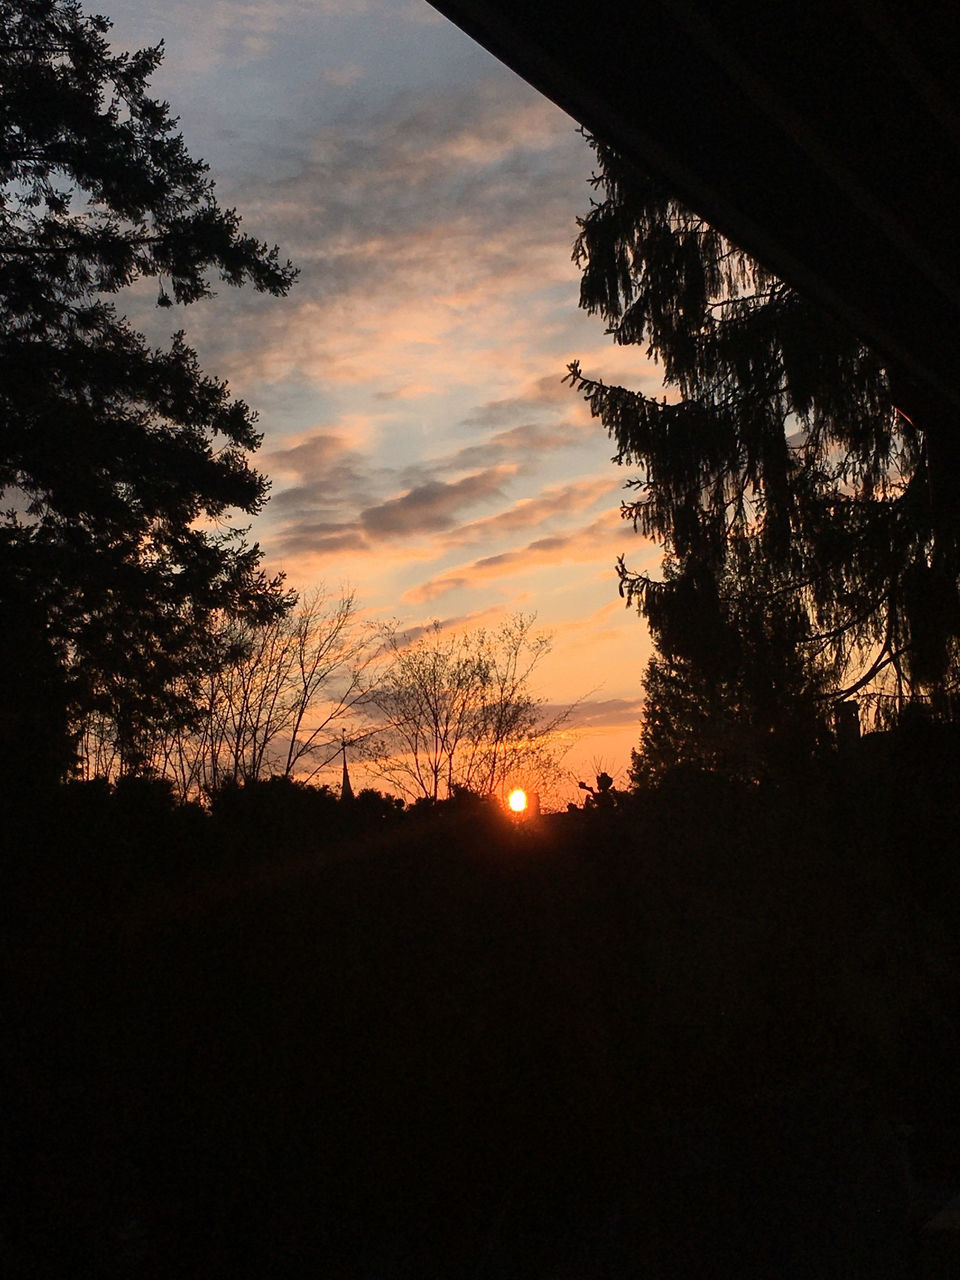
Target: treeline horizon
(696, 1033)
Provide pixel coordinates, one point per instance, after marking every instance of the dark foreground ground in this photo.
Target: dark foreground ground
(714, 1034)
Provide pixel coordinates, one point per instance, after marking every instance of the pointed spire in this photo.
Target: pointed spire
(346, 791)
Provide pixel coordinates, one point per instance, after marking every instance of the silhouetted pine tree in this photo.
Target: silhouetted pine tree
(782, 434)
(737, 685)
(116, 460)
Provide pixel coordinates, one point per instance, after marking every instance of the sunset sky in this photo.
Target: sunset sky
(421, 444)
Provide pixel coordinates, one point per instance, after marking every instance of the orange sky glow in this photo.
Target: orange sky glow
(422, 446)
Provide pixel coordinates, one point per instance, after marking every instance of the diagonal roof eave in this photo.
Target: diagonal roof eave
(823, 137)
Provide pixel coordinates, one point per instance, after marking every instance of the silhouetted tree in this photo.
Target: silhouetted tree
(36, 747)
(735, 687)
(457, 711)
(273, 698)
(782, 433)
(118, 462)
(371, 807)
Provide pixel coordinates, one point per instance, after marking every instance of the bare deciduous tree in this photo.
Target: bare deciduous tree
(456, 710)
(275, 700)
(270, 701)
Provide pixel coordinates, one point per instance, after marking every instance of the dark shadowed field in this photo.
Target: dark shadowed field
(713, 1033)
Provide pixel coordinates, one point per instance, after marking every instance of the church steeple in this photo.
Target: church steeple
(346, 791)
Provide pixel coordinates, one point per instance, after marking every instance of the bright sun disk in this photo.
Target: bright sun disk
(517, 800)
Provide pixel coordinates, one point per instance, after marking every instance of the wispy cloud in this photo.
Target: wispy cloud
(526, 447)
(555, 501)
(586, 544)
(548, 393)
(608, 713)
(433, 506)
(328, 507)
(414, 222)
(311, 456)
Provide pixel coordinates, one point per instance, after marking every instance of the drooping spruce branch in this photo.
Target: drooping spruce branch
(776, 463)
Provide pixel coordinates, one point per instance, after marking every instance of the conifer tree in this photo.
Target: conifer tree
(779, 434)
(118, 462)
(734, 687)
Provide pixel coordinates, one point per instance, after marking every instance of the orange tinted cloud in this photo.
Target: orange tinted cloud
(608, 713)
(556, 500)
(312, 524)
(433, 506)
(589, 543)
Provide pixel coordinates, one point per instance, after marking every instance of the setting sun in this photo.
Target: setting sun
(517, 800)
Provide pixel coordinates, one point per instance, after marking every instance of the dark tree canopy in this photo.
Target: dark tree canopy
(734, 687)
(777, 457)
(119, 463)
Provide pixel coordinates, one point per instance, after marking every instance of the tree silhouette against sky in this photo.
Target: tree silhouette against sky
(780, 447)
(120, 464)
